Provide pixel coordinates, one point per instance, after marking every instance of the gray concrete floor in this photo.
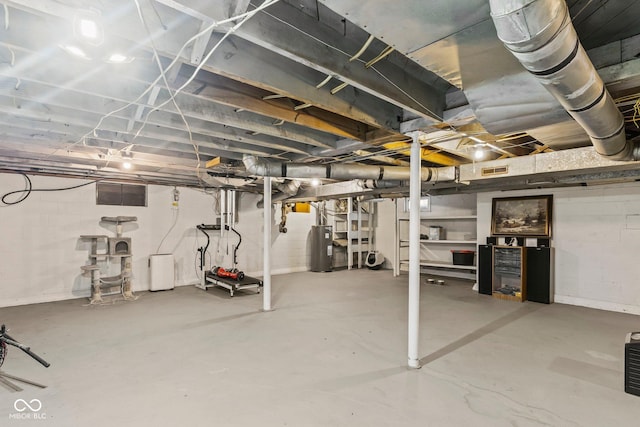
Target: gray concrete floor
(333, 353)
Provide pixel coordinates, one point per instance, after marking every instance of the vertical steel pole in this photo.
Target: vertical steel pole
(266, 281)
(223, 211)
(359, 234)
(349, 234)
(396, 247)
(414, 253)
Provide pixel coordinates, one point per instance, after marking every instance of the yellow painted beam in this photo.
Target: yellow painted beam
(426, 154)
(213, 162)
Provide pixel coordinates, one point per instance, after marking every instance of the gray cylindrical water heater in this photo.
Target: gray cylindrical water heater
(321, 248)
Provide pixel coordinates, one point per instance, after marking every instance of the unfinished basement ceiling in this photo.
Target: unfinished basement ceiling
(305, 81)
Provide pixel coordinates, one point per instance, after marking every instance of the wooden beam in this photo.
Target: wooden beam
(240, 95)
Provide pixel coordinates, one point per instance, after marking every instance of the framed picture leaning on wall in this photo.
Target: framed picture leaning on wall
(522, 216)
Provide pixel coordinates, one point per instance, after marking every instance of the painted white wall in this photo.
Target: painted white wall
(385, 231)
(41, 253)
(596, 236)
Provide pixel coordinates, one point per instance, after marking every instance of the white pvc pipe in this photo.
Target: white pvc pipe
(231, 195)
(266, 280)
(359, 234)
(349, 235)
(414, 255)
(223, 211)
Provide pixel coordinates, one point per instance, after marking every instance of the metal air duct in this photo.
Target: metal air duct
(287, 189)
(373, 184)
(540, 34)
(261, 167)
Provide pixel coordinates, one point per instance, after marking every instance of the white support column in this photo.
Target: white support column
(266, 281)
(359, 253)
(349, 234)
(414, 253)
(396, 239)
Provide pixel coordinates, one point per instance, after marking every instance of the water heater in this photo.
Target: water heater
(321, 248)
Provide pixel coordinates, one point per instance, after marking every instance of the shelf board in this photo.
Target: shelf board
(354, 216)
(439, 264)
(507, 297)
(445, 242)
(356, 248)
(443, 218)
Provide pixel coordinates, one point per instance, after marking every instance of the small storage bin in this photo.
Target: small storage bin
(436, 233)
(463, 257)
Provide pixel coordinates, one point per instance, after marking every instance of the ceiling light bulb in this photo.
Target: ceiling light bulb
(126, 165)
(88, 28)
(118, 58)
(478, 154)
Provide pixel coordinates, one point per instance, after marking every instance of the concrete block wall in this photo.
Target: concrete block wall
(596, 236)
(385, 231)
(41, 253)
(289, 251)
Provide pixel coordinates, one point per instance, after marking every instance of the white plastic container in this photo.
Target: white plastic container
(161, 272)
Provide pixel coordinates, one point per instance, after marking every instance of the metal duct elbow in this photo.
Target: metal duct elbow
(540, 34)
(274, 199)
(259, 167)
(289, 188)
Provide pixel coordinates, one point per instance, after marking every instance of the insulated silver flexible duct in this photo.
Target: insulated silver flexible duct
(541, 36)
(261, 167)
